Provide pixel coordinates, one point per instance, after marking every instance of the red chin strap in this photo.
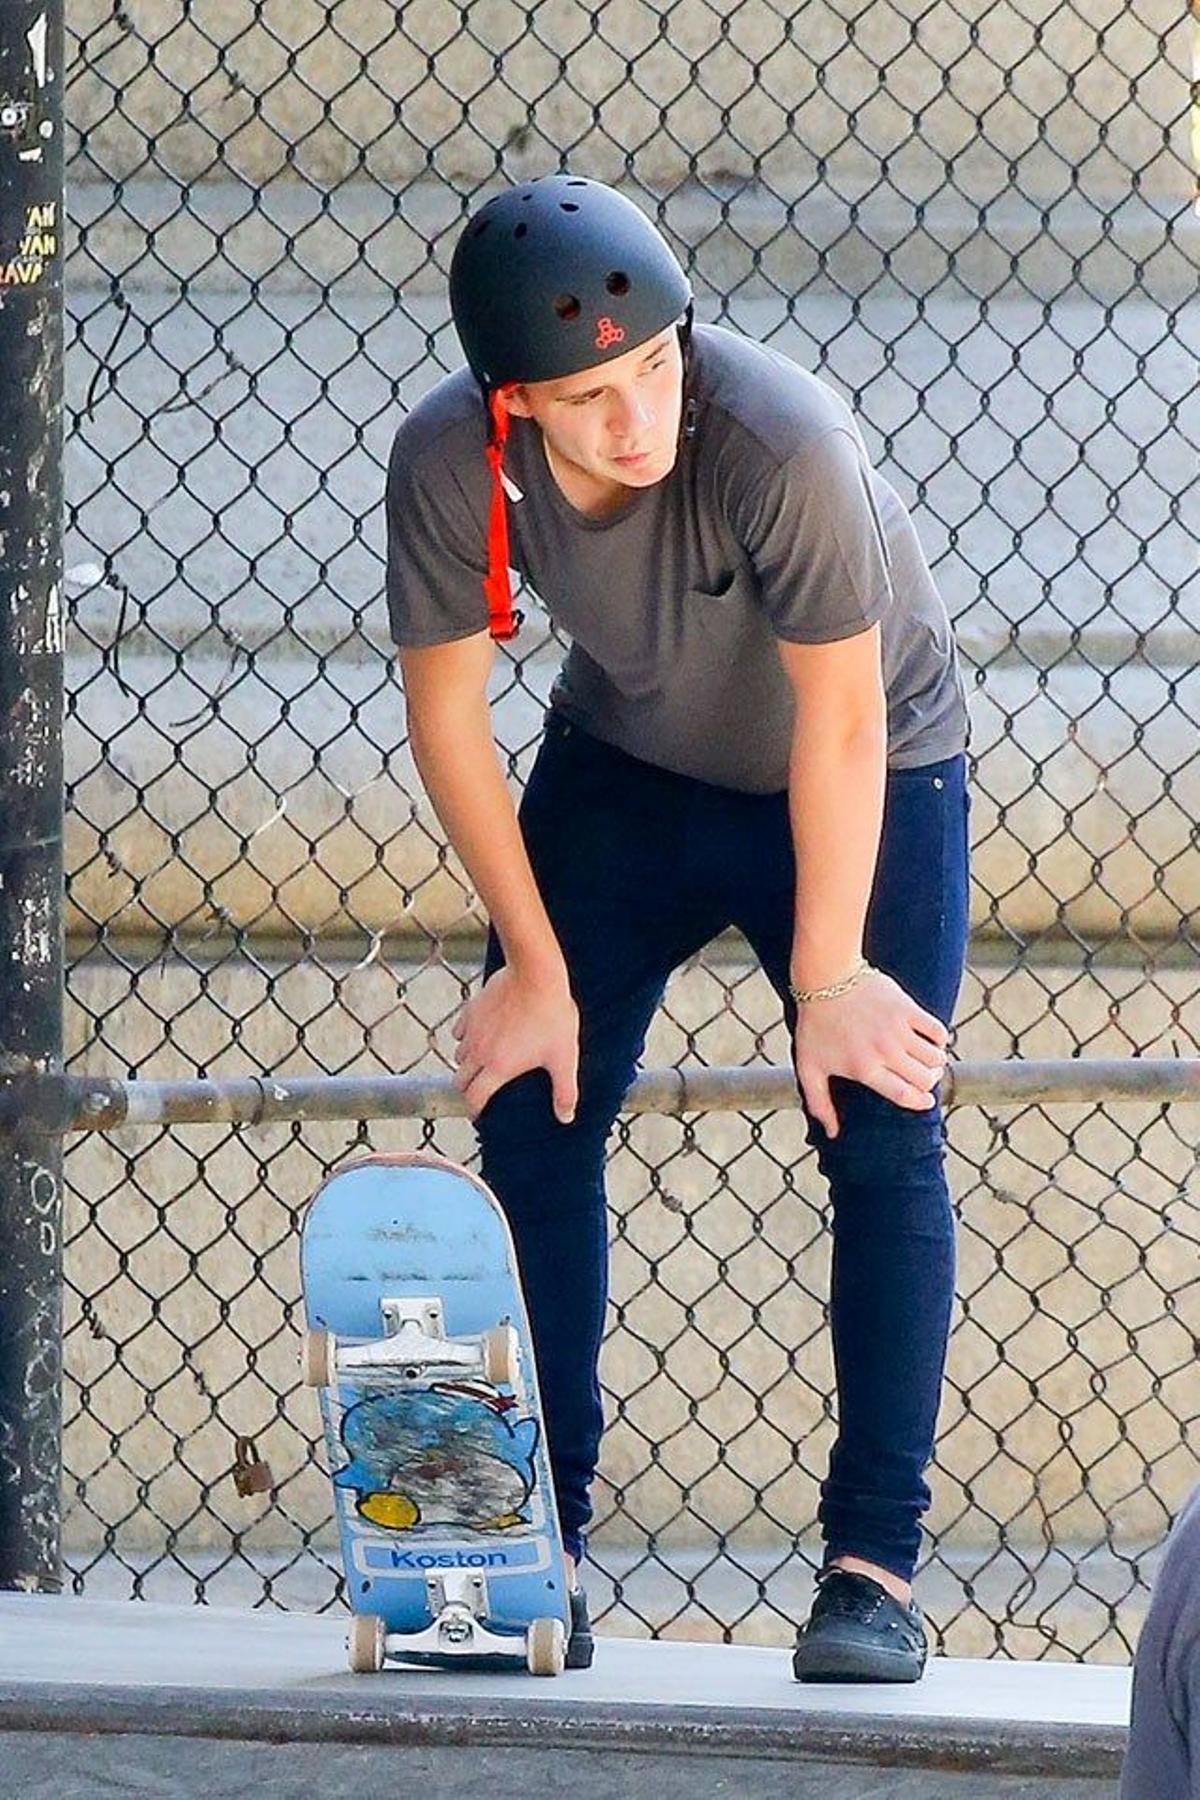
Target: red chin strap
(503, 622)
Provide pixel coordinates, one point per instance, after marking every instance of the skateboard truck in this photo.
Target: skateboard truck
(414, 1349)
(414, 1346)
(458, 1603)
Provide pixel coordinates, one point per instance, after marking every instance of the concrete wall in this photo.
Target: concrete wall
(1073, 827)
(720, 91)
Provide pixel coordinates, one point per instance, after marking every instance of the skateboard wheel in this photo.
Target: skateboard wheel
(546, 1647)
(365, 1644)
(316, 1358)
(502, 1356)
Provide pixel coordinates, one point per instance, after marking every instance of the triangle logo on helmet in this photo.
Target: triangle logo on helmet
(608, 332)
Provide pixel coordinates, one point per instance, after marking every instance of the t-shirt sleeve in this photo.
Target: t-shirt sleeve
(436, 552)
(1163, 1755)
(813, 536)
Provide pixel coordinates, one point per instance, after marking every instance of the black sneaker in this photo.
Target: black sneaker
(581, 1645)
(858, 1632)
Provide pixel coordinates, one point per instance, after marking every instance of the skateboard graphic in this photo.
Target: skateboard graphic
(419, 1346)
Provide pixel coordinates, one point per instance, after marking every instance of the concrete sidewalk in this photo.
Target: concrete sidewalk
(148, 1672)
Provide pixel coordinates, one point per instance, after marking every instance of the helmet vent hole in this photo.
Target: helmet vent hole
(481, 228)
(577, 183)
(568, 206)
(617, 283)
(521, 230)
(567, 307)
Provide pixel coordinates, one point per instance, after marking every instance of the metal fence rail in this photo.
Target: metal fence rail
(51, 1106)
(974, 220)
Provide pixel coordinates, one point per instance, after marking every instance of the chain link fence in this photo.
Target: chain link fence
(974, 220)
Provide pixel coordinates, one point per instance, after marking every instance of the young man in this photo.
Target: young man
(760, 723)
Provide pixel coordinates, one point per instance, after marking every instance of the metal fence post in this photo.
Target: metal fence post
(31, 773)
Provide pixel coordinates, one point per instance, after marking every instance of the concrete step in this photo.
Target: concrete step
(148, 1672)
(73, 1767)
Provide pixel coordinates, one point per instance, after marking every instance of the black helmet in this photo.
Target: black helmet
(558, 275)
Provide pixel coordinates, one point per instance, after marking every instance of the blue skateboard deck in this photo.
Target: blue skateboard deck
(419, 1345)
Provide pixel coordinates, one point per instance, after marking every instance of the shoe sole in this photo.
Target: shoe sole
(831, 1664)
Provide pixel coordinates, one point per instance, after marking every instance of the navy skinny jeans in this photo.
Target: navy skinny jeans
(639, 868)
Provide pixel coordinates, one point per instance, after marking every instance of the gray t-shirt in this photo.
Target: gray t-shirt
(1163, 1761)
(772, 524)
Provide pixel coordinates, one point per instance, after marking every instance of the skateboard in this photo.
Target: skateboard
(419, 1347)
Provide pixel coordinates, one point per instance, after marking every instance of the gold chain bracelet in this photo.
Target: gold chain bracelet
(836, 989)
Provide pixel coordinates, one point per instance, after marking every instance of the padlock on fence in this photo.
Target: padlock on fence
(251, 1475)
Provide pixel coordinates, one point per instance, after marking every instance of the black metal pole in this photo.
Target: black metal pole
(31, 659)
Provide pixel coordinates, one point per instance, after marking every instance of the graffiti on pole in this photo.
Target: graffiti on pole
(31, 649)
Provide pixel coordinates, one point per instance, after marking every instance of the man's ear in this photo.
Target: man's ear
(517, 402)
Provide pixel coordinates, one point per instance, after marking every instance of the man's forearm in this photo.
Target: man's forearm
(464, 781)
(836, 788)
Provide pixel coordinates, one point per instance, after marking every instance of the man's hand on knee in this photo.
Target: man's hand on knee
(874, 1034)
(516, 1023)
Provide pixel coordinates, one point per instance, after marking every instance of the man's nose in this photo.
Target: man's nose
(635, 415)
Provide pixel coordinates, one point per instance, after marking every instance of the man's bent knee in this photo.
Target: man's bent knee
(871, 1148)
